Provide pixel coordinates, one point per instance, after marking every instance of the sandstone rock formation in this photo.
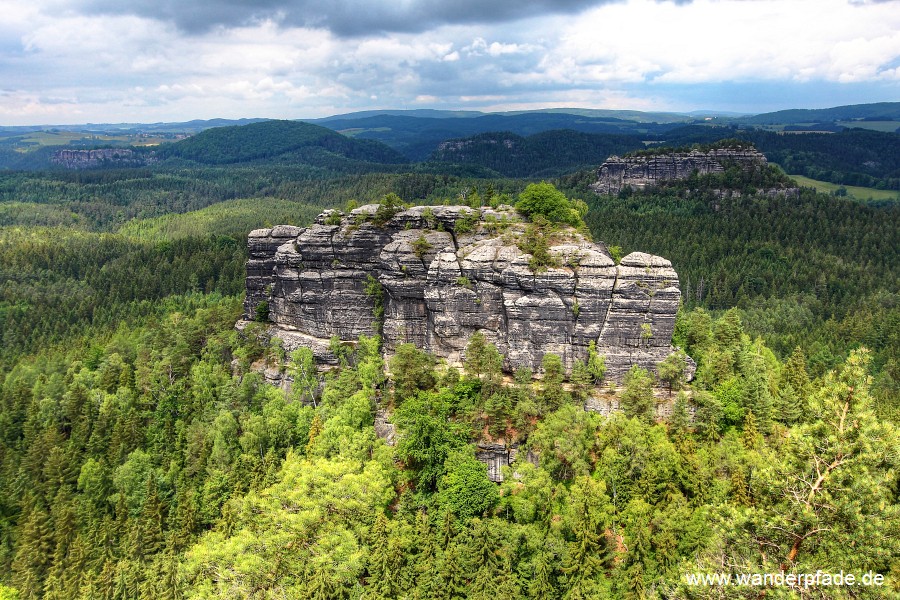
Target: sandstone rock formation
(445, 272)
(640, 172)
(84, 159)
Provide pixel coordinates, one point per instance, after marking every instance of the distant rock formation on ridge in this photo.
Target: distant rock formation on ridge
(640, 171)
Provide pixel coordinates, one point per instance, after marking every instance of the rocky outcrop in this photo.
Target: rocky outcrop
(443, 273)
(86, 159)
(640, 172)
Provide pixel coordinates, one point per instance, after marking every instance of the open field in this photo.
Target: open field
(37, 139)
(860, 193)
(886, 126)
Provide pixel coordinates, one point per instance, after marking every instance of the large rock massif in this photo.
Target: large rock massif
(446, 272)
(640, 172)
(91, 159)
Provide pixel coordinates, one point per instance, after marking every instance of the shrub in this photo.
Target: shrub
(545, 200)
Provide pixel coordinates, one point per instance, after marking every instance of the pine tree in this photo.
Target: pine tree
(34, 551)
(581, 380)
(671, 370)
(740, 490)
(795, 373)
(315, 429)
(794, 388)
(835, 484)
(426, 577)
(637, 399)
(484, 561)
(790, 406)
(758, 397)
(382, 578)
(681, 419)
(552, 393)
(637, 566)
(588, 554)
(541, 586)
(596, 364)
(452, 573)
(320, 587)
(750, 437)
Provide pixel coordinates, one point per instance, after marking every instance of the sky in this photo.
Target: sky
(144, 61)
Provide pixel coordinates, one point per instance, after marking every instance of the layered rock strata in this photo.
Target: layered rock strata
(87, 159)
(446, 272)
(640, 172)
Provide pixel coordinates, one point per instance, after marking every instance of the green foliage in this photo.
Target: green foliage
(543, 154)
(428, 436)
(483, 360)
(333, 218)
(302, 369)
(260, 554)
(261, 312)
(52, 286)
(271, 140)
(616, 253)
(536, 242)
(375, 292)
(389, 206)
(232, 218)
(671, 370)
(564, 440)
(637, 399)
(466, 223)
(552, 393)
(465, 488)
(543, 199)
(420, 247)
(596, 363)
(412, 370)
(807, 270)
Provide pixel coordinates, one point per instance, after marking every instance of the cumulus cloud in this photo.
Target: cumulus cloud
(122, 61)
(710, 41)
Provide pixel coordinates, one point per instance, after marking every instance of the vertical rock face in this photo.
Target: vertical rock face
(86, 159)
(263, 244)
(639, 172)
(446, 272)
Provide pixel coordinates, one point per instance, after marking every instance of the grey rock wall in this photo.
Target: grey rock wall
(468, 275)
(87, 159)
(640, 172)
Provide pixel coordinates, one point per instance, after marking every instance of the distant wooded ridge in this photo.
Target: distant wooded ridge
(853, 145)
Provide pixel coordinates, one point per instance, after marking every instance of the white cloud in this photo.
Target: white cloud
(61, 66)
(711, 41)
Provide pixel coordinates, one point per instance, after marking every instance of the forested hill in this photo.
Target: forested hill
(280, 141)
(418, 137)
(544, 154)
(878, 111)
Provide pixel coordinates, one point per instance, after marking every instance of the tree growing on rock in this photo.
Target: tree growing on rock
(637, 399)
(671, 370)
(544, 199)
